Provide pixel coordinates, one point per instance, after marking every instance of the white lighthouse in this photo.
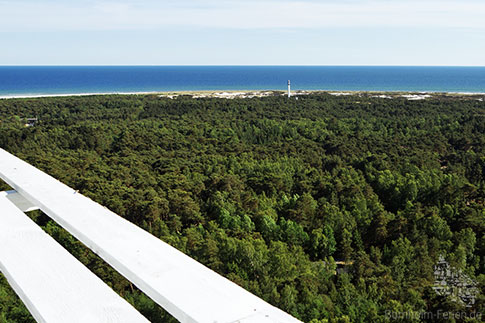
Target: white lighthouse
(289, 88)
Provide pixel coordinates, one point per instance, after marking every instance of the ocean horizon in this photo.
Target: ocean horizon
(18, 81)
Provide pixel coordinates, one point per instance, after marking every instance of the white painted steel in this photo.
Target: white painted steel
(19, 201)
(55, 286)
(185, 288)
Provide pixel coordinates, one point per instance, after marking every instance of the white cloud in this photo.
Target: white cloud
(21, 15)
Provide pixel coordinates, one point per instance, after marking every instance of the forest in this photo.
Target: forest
(332, 208)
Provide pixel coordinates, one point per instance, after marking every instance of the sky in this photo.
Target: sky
(242, 32)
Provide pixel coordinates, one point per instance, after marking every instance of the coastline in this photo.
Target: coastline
(231, 94)
(33, 96)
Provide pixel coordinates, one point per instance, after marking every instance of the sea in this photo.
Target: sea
(61, 80)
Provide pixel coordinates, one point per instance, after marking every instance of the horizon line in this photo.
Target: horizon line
(229, 65)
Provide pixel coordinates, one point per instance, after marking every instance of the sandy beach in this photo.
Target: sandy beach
(241, 94)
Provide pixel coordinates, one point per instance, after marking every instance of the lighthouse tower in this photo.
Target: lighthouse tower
(289, 88)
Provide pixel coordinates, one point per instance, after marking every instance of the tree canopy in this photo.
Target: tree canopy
(334, 209)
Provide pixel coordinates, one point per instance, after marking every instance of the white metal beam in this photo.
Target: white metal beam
(19, 201)
(188, 290)
(55, 286)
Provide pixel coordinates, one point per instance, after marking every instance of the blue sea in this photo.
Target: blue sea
(47, 80)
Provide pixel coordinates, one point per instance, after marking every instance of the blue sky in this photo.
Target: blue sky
(249, 32)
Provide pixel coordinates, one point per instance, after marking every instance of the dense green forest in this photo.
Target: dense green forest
(334, 209)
